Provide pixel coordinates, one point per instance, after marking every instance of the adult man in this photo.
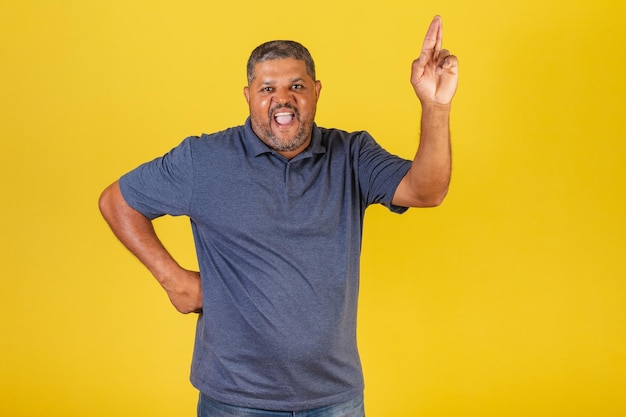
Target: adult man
(277, 208)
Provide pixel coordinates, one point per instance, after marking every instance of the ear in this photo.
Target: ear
(246, 93)
(318, 88)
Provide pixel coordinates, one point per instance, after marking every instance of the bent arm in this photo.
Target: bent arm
(137, 233)
(434, 76)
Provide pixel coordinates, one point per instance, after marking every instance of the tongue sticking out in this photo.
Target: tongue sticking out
(284, 118)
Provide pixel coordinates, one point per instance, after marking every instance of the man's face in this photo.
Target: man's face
(282, 98)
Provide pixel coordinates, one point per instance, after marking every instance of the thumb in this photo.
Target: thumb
(417, 69)
(421, 60)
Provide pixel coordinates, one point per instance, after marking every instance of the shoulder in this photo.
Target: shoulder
(222, 137)
(338, 140)
(333, 136)
(210, 143)
(340, 134)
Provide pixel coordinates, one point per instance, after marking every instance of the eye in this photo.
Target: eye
(297, 87)
(267, 89)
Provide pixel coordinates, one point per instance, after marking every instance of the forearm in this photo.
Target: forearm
(431, 168)
(426, 183)
(137, 233)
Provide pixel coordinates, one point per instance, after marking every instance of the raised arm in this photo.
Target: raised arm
(136, 232)
(434, 77)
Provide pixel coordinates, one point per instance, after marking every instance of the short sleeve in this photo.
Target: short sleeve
(380, 172)
(163, 185)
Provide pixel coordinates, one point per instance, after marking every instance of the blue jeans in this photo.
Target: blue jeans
(210, 408)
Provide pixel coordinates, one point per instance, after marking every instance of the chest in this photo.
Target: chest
(267, 195)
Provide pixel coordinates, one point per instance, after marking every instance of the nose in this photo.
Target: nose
(282, 96)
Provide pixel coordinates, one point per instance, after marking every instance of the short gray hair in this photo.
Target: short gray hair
(280, 50)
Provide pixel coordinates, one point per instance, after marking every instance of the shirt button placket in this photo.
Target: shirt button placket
(287, 174)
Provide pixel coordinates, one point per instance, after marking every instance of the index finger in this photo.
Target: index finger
(434, 35)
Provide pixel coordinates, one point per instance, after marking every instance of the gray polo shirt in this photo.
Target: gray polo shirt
(278, 244)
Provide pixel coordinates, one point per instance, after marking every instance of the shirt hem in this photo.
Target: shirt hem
(278, 405)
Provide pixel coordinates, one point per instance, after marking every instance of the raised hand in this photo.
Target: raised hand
(435, 73)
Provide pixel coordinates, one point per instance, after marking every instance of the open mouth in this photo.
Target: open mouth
(284, 118)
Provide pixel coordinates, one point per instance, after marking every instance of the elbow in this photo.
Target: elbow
(104, 202)
(421, 194)
(107, 200)
(433, 202)
(433, 199)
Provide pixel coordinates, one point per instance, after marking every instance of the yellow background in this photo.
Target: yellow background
(509, 300)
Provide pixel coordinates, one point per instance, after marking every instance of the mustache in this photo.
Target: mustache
(283, 107)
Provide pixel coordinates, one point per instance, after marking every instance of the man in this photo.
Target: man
(276, 209)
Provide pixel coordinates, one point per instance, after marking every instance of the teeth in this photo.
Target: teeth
(283, 118)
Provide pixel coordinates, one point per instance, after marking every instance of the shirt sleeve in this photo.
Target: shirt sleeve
(380, 172)
(163, 185)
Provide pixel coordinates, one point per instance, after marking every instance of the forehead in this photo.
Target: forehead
(280, 69)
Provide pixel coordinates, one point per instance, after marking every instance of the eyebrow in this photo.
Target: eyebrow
(294, 80)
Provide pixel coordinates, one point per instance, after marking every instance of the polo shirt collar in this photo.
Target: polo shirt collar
(256, 146)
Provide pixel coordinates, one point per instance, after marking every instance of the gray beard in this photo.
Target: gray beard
(267, 136)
